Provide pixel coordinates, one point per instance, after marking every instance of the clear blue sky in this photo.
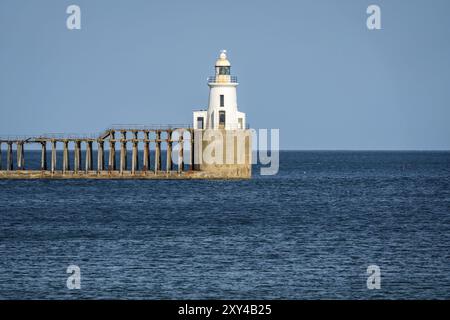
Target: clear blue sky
(310, 68)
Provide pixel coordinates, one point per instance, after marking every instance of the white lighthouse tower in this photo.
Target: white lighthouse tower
(222, 110)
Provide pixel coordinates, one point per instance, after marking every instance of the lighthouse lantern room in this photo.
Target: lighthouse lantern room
(222, 112)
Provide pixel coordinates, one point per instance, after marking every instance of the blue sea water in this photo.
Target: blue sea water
(309, 232)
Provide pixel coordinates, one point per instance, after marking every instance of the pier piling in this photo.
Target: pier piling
(100, 156)
(66, 161)
(146, 160)
(43, 156)
(169, 164)
(158, 151)
(112, 152)
(134, 156)
(53, 164)
(9, 157)
(123, 152)
(89, 160)
(20, 156)
(77, 156)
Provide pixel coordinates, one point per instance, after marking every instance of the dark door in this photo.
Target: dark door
(221, 119)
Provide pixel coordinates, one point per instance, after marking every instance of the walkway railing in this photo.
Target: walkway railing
(5, 138)
(130, 127)
(67, 136)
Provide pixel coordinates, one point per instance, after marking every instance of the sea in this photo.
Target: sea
(315, 230)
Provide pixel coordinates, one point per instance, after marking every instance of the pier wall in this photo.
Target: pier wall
(225, 152)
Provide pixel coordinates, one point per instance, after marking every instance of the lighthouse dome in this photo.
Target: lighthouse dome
(223, 61)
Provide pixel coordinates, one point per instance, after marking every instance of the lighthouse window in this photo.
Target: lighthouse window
(224, 70)
(222, 100)
(222, 118)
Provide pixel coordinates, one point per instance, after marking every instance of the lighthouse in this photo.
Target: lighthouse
(222, 112)
(223, 143)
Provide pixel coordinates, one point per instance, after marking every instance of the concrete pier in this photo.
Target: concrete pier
(144, 137)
